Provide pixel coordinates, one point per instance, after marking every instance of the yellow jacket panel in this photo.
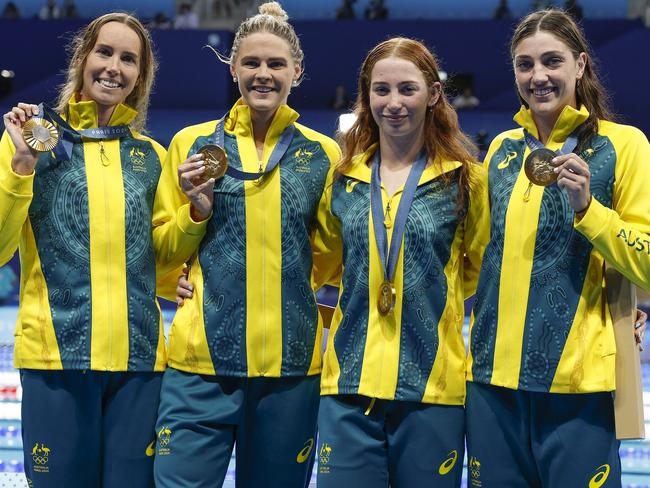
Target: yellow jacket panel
(83, 229)
(416, 352)
(541, 320)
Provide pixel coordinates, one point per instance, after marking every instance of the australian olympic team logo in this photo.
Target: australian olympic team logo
(41, 456)
(598, 480)
(164, 438)
(324, 456)
(303, 455)
(137, 160)
(303, 157)
(474, 468)
(449, 463)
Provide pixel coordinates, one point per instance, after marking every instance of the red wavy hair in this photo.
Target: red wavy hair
(442, 134)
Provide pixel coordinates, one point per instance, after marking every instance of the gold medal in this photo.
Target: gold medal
(538, 167)
(386, 298)
(216, 161)
(40, 134)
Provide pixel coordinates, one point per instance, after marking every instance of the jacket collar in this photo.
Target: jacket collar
(360, 170)
(569, 119)
(240, 122)
(83, 115)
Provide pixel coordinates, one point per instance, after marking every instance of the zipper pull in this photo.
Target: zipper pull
(102, 154)
(369, 409)
(388, 222)
(527, 193)
(260, 170)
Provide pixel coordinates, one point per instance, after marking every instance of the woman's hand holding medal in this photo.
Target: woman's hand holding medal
(24, 160)
(198, 190)
(573, 176)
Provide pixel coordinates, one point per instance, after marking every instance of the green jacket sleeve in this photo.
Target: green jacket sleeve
(326, 242)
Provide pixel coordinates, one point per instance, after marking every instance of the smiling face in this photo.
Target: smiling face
(111, 68)
(265, 71)
(546, 72)
(400, 98)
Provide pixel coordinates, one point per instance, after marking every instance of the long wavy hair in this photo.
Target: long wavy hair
(442, 135)
(81, 46)
(589, 90)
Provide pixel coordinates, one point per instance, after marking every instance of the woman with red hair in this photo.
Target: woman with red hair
(398, 223)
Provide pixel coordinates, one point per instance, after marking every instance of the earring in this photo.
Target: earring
(294, 83)
(234, 79)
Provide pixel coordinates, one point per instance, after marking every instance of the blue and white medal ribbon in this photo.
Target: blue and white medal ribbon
(67, 136)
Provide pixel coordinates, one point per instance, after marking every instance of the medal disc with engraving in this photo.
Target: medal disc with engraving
(216, 161)
(538, 167)
(40, 134)
(387, 297)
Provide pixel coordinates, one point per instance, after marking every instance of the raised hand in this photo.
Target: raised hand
(199, 192)
(573, 176)
(24, 160)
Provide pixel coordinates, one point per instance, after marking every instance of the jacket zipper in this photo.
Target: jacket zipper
(105, 162)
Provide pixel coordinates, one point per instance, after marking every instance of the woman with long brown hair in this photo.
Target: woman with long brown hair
(567, 192)
(398, 223)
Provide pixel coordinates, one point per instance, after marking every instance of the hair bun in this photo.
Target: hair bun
(274, 9)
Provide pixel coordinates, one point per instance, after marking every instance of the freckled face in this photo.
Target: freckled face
(399, 96)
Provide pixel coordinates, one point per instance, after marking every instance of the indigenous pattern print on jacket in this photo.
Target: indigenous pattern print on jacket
(541, 321)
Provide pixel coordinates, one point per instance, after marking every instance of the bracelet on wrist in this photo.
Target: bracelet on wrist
(582, 212)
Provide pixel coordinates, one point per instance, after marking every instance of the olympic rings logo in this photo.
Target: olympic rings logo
(40, 459)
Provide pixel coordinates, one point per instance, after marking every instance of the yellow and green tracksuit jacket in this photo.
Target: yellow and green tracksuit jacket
(83, 230)
(416, 353)
(254, 311)
(541, 320)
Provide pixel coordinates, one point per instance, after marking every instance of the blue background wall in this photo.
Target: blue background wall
(325, 9)
(193, 86)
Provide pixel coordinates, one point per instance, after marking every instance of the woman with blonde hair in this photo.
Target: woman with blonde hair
(89, 340)
(237, 202)
(400, 224)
